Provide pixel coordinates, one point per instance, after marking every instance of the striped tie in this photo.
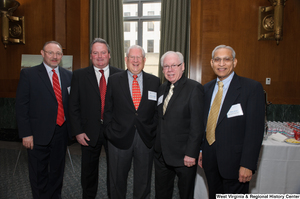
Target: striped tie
(213, 115)
(166, 102)
(60, 119)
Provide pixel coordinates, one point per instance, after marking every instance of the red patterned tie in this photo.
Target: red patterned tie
(102, 88)
(60, 110)
(136, 93)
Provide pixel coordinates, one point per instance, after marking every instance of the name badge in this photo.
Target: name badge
(235, 110)
(152, 96)
(160, 99)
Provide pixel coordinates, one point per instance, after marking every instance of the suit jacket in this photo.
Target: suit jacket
(122, 119)
(85, 104)
(36, 104)
(238, 138)
(181, 129)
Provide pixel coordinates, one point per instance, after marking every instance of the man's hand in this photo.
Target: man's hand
(28, 142)
(245, 174)
(200, 160)
(81, 138)
(188, 161)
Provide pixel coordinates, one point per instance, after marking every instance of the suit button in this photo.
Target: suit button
(136, 114)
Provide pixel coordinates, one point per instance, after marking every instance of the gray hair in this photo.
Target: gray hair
(179, 55)
(99, 40)
(52, 42)
(135, 46)
(223, 46)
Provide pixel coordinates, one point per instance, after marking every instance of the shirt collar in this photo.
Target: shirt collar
(48, 68)
(104, 69)
(226, 81)
(177, 82)
(131, 74)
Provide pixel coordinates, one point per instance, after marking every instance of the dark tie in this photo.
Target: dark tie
(213, 115)
(136, 93)
(60, 119)
(102, 88)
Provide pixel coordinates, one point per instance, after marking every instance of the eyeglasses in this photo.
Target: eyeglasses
(135, 57)
(166, 67)
(226, 60)
(51, 53)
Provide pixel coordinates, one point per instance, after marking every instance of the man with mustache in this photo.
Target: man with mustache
(43, 122)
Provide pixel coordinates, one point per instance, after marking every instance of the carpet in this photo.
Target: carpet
(17, 186)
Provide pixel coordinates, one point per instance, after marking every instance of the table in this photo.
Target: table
(278, 171)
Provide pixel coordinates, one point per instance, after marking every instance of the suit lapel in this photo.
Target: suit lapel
(92, 79)
(124, 85)
(176, 92)
(145, 88)
(45, 79)
(208, 96)
(63, 83)
(162, 91)
(232, 93)
(111, 70)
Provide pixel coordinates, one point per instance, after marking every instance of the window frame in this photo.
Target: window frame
(140, 18)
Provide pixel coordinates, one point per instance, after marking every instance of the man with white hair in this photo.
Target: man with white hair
(180, 129)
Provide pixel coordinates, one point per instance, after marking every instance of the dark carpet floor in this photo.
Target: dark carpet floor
(16, 185)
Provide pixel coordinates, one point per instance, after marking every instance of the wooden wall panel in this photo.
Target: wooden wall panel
(235, 23)
(78, 32)
(42, 24)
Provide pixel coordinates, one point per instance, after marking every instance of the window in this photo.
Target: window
(144, 29)
(150, 26)
(150, 46)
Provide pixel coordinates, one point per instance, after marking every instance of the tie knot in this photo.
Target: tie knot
(101, 71)
(220, 84)
(134, 77)
(53, 70)
(172, 86)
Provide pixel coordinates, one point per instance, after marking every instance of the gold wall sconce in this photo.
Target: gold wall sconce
(13, 28)
(270, 21)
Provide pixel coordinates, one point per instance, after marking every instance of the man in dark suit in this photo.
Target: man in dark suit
(180, 129)
(42, 117)
(233, 140)
(130, 123)
(86, 113)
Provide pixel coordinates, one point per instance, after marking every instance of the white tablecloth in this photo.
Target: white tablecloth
(278, 171)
